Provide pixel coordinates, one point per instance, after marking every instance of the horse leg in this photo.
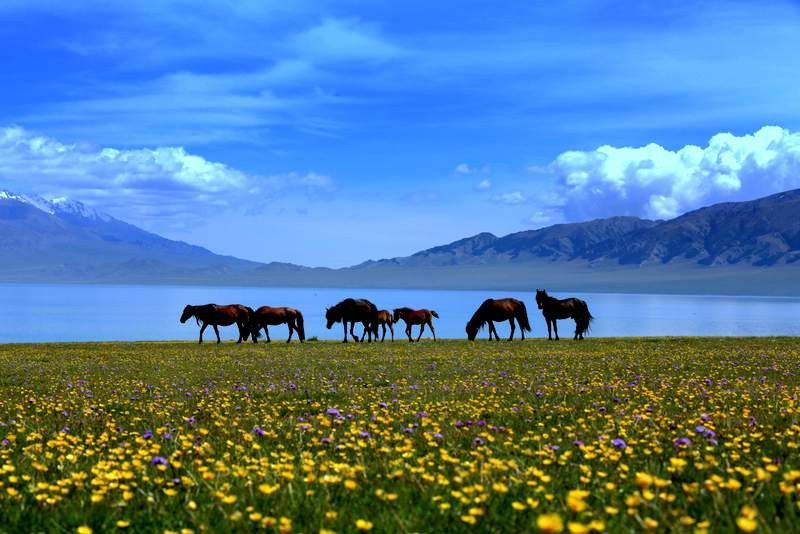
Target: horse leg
(216, 331)
(344, 327)
(549, 329)
(421, 328)
(493, 330)
(513, 328)
(239, 327)
(352, 333)
(364, 333)
(408, 331)
(266, 331)
(555, 328)
(291, 331)
(202, 329)
(391, 329)
(430, 325)
(383, 337)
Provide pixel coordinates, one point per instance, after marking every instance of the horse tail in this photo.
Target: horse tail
(585, 319)
(301, 330)
(522, 317)
(433, 312)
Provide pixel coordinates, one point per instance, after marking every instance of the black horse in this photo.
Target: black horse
(572, 308)
(354, 311)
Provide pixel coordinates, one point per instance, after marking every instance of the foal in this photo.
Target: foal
(411, 317)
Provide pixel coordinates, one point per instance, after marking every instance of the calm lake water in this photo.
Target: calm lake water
(102, 313)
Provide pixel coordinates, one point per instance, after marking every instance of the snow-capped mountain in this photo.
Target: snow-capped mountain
(61, 239)
(56, 206)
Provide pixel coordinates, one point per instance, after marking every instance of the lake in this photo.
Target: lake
(106, 313)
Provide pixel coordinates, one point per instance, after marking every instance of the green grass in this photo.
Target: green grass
(432, 437)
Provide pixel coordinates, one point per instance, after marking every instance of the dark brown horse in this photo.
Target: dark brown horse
(266, 316)
(353, 311)
(411, 317)
(499, 310)
(382, 319)
(216, 315)
(554, 309)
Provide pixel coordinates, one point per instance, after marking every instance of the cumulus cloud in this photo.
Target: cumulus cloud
(142, 182)
(484, 185)
(655, 182)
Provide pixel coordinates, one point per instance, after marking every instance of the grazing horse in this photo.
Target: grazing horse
(353, 311)
(554, 309)
(382, 319)
(411, 317)
(266, 316)
(499, 310)
(216, 315)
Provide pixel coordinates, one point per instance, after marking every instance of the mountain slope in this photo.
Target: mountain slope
(761, 232)
(757, 233)
(67, 240)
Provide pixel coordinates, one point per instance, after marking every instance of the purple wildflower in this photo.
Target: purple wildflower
(147, 434)
(333, 412)
(478, 441)
(682, 442)
(159, 460)
(619, 443)
(258, 431)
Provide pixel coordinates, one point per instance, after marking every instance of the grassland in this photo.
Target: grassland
(603, 435)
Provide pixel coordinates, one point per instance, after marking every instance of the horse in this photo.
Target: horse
(411, 317)
(383, 319)
(216, 315)
(353, 311)
(491, 310)
(554, 309)
(266, 316)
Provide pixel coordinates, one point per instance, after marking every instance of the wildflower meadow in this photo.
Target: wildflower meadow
(685, 434)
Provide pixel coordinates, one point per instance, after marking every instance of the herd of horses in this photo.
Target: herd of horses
(352, 311)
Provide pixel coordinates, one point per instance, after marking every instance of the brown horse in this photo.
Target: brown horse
(266, 316)
(554, 309)
(411, 317)
(216, 315)
(499, 310)
(382, 319)
(353, 311)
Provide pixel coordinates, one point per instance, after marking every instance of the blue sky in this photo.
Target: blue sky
(328, 133)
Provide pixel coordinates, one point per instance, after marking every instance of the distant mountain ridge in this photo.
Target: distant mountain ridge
(739, 247)
(760, 233)
(67, 240)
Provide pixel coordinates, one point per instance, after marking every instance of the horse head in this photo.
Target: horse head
(188, 311)
(472, 330)
(331, 317)
(396, 315)
(541, 296)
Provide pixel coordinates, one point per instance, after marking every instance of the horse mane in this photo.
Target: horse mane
(477, 318)
(404, 309)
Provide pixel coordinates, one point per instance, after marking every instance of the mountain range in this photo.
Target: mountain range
(736, 247)
(761, 232)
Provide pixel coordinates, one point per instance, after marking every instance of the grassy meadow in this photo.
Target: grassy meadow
(684, 434)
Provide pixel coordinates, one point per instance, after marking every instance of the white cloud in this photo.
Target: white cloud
(463, 168)
(484, 185)
(511, 198)
(652, 181)
(142, 182)
(335, 39)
